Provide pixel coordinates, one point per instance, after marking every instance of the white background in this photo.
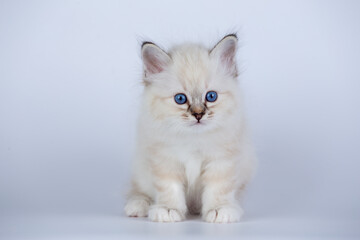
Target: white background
(70, 75)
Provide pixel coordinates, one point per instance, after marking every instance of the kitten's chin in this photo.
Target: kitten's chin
(199, 126)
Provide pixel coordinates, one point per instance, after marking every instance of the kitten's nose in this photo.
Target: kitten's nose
(198, 116)
(197, 111)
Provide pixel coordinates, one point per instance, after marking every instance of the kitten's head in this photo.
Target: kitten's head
(191, 88)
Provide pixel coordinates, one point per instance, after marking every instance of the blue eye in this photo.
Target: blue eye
(180, 98)
(211, 96)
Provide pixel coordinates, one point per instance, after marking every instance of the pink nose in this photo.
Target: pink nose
(198, 116)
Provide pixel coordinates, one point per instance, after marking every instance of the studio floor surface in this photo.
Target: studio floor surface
(120, 227)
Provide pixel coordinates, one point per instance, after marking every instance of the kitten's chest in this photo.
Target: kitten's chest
(191, 158)
(192, 170)
(191, 153)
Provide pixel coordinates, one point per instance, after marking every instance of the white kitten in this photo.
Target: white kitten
(193, 154)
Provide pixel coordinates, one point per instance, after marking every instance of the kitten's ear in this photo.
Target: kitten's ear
(225, 50)
(154, 58)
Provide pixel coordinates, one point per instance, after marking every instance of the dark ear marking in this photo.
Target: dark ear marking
(146, 42)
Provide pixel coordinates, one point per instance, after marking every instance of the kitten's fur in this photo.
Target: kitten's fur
(181, 165)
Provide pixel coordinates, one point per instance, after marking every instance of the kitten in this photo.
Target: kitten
(193, 155)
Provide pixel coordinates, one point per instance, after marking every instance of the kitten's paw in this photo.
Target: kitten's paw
(163, 214)
(137, 208)
(223, 215)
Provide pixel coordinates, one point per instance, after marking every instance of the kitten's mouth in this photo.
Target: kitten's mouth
(198, 123)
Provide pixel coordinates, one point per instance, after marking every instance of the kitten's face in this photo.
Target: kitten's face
(191, 89)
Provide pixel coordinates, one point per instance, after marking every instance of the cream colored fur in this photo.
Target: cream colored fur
(182, 166)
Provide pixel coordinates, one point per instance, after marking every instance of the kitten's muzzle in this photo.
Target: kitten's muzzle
(198, 112)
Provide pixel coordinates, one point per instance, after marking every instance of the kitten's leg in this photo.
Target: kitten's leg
(170, 203)
(220, 195)
(138, 204)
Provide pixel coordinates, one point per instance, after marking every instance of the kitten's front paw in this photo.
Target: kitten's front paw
(163, 214)
(137, 208)
(223, 215)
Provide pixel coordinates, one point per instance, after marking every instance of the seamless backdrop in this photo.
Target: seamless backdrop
(70, 74)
